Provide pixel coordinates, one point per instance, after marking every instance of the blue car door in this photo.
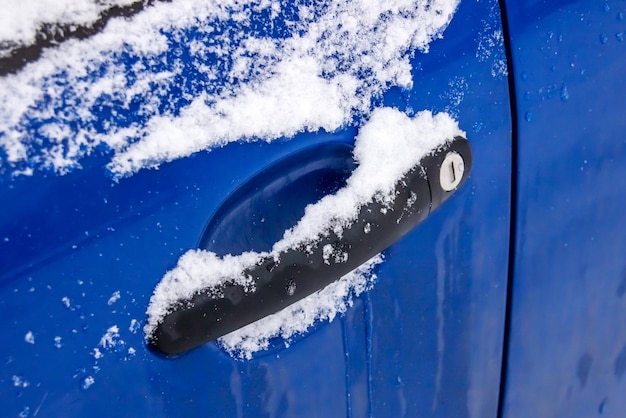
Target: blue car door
(135, 135)
(567, 344)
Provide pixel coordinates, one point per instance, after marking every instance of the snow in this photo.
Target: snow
(191, 75)
(297, 318)
(491, 44)
(134, 326)
(386, 148)
(110, 339)
(114, 298)
(147, 97)
(87, 382)
(97, 354)
(21, 19)
(20, 382)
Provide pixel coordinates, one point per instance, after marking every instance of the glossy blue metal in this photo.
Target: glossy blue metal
(426, 341)
(567, 353)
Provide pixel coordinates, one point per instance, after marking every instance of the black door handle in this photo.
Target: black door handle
(299, 272)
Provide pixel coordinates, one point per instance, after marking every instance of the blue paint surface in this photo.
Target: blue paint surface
(426, 341)
(567, 329)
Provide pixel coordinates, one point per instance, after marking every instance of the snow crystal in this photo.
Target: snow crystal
(87, 382)
(149, 97)
(114, 298)
(20, 382)
(386, 148)
(111, 338)
(134, 326)
(491, 43)
(29, 337)
(130, 353)
(97, 354)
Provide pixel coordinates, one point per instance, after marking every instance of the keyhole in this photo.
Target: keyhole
(451, 172)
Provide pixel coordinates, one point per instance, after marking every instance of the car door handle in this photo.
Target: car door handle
(299, 272)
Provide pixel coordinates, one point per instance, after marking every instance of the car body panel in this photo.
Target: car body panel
(567, 347)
